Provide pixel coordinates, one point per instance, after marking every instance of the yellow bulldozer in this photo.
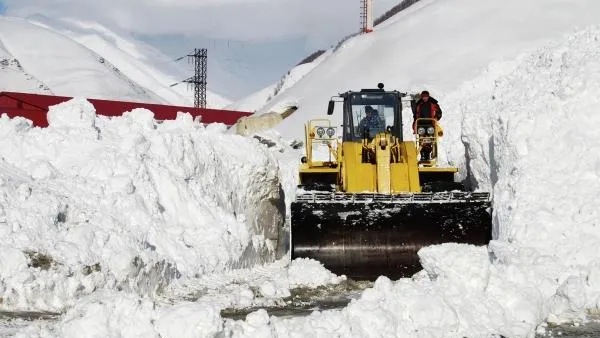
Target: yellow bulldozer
(368, 199)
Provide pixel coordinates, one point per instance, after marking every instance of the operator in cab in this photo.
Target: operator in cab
(372, 123)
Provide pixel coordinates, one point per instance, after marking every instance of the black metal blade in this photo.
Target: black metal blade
(365, 238)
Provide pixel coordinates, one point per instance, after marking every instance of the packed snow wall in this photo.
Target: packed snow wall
(538, 150)
(128, 203)
(532, 137)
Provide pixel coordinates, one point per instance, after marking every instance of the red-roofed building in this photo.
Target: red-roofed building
(35, 107)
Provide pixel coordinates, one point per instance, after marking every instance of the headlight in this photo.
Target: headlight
(330, 132)
(430, 130)
(320, 131)
(421, 130)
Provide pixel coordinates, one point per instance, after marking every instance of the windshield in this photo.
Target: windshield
(371, 113)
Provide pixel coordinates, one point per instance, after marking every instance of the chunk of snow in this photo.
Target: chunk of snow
(308, 272)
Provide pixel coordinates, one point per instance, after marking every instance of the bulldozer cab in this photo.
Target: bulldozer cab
(370, 112)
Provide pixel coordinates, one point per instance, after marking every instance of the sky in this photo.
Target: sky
(251, 43)
(236, 68)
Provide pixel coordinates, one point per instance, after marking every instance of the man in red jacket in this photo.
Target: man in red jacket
(426, 108)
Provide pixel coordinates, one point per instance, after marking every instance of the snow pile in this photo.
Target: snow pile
(128, 203)
(311, 273)
(112, 314)
(119, 314)
(444, 301)
(266, 285)
(288, 155)
(526, 138)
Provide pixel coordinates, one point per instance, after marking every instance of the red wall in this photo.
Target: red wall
(14, 108)
(35, 107)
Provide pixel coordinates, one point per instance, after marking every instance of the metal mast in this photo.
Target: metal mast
(366, 16)
(198, 81)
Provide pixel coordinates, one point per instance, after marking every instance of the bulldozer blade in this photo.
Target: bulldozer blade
(364, 236)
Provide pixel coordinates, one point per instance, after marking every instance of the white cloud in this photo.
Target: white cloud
(320, 21)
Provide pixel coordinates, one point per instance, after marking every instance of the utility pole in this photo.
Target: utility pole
(198, 81)
(366, 16)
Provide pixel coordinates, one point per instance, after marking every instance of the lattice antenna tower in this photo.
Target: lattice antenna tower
(198, 81)
(366, 16)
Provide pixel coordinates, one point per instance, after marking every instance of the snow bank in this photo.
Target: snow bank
(530, 137)
(107, 313)
(539, 152)
(311, 273)
(128, 203)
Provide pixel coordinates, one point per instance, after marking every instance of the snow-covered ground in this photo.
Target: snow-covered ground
(76, 58)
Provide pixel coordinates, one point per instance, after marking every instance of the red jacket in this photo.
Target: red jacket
(429, 110)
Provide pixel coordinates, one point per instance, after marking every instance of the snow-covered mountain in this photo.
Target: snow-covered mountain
(434, 45)
(75, 58)
(257, 100)
(14, 77)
